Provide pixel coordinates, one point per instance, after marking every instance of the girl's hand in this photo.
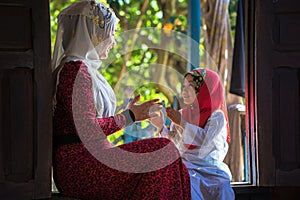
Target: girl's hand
(174, 115)
(158, 121)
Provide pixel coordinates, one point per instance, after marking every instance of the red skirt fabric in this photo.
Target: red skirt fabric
(145, 169)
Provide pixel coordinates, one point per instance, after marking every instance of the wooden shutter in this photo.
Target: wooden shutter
(25, 99)
(277, 70)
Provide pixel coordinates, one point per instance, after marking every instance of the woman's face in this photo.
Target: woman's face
(110, 43)
(188, 90)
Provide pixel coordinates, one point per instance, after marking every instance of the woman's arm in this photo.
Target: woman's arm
(84, 110)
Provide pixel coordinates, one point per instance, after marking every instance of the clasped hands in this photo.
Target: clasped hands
(146, 110)
(152, 110)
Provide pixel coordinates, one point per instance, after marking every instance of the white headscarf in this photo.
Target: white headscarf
(84, 30)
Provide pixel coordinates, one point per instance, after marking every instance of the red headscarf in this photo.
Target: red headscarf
(210, 97)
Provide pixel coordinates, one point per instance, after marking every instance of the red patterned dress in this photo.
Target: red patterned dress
(79, 171)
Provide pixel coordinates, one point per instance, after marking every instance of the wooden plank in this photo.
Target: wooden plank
(6, 125)
(2, 164)
(12, 60)
(21, 92)
(286, 6)
(14, 2)
(263, 86)
(284, 38)
(15, 28)
(17, 127)
(286, 140)
(16, 191)
(277, 82)
(43, 97)
(25, 121)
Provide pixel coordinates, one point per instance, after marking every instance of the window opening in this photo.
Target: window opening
(175, 20)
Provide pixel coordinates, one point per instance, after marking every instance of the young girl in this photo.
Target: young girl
(201, 133)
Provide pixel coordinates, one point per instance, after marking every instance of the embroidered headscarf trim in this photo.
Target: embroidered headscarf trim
(84, 31)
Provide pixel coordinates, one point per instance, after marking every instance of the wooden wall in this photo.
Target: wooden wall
(25, 101)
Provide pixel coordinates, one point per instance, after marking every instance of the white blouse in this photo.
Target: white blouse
(210, 176)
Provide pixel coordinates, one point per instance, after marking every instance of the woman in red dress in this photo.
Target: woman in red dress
(85, 165)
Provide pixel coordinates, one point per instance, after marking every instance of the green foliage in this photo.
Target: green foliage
(55, 8)
(232, 9)
(158, 14)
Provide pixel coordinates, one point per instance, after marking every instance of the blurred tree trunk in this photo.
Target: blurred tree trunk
(167, 77)
(218, 42)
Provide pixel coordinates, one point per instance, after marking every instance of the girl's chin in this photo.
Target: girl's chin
(104, 55)
(187, 102)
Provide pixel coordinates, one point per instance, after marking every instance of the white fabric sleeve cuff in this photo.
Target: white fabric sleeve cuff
(192, 134)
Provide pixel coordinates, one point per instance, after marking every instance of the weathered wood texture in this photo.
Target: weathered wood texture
(25, 100)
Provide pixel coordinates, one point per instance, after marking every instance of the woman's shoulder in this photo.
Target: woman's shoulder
(75, 64)
(74, 67)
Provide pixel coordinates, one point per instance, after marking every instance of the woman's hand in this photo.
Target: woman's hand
(145, 110)
(158, 121)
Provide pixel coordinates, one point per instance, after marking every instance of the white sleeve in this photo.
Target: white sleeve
(164, 132)
(215, 125)
(210, 139)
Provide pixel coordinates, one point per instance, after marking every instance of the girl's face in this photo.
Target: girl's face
(188, 90)
(110, 43)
